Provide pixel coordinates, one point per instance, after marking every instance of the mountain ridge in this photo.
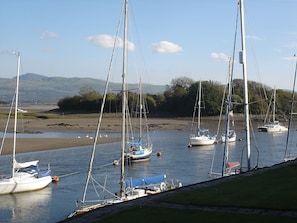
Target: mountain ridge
(37, 88)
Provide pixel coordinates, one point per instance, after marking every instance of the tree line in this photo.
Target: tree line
(179, 98)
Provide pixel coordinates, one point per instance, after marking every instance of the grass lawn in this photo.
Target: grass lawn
(148, 214)
(273, 189)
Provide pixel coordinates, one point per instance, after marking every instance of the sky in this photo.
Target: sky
(171, 38)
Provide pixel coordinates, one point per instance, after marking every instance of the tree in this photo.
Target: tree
(182, 82)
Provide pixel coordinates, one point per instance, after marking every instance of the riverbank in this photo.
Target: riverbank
(39, 119)
(48, 122)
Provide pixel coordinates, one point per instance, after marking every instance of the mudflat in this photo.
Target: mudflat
(48, 122)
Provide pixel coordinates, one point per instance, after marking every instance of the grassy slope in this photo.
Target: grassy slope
(273, 190)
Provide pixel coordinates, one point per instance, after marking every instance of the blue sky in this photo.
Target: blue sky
(173, 38)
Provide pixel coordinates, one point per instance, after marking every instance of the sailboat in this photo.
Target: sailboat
(132, 188)
(25, 176)
(230, 168)
(200, 137)
(272, 126)
(138, 151)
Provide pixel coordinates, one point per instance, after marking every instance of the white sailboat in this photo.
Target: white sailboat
(200, 137)
(273, 125)
(129, 189)
(138, 150)
(25, 176)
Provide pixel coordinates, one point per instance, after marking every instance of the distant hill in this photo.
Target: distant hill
(36, 88)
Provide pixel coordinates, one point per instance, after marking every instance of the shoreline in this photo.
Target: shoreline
(60, 122)
(79, 123)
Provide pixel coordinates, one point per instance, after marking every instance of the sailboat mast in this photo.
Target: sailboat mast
(140, 109)
(242, 60)
(16, 111)
(199, 105)
(228, 107)
(124, 97)
(273, 112)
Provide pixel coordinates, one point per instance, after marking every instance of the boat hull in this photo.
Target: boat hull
(272, 128)
(231, 137)
(23, 183)
(140, 155)
(202, 140)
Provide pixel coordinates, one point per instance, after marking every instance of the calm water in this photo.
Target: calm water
(189, 165)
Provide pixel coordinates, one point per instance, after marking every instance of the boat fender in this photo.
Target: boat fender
(163, 186)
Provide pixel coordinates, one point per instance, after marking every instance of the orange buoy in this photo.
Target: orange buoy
(159, 153)
(55, 179)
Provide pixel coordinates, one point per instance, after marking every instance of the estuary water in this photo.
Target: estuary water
(188, 165)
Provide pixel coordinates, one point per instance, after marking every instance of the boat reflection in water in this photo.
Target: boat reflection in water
(22, 207)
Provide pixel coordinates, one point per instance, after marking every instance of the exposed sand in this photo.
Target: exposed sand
(39, 144)
(77, 123)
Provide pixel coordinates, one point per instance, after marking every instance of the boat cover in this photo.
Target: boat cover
(139, 143)
(145, 181)
(232, 164)
(26, 164)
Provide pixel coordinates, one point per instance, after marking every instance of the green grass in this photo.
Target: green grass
(273, 189)
(147, 214)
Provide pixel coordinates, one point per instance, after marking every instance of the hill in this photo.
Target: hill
(36, 88)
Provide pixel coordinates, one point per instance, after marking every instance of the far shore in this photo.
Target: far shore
(85, 123)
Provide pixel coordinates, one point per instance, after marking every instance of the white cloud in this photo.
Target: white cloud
(219, 56)
(166, 47)
(253, 37)
(48, 35)
(293, 58)
(4, 51)
(107, 41)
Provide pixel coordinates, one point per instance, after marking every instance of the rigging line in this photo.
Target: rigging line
(139, 45)
(194, 113)
(102, 187)
(101, 111)
(222, 105)
(291, 111)
(221, 112)
(230, 71)
(79, 172)
(6, 126)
